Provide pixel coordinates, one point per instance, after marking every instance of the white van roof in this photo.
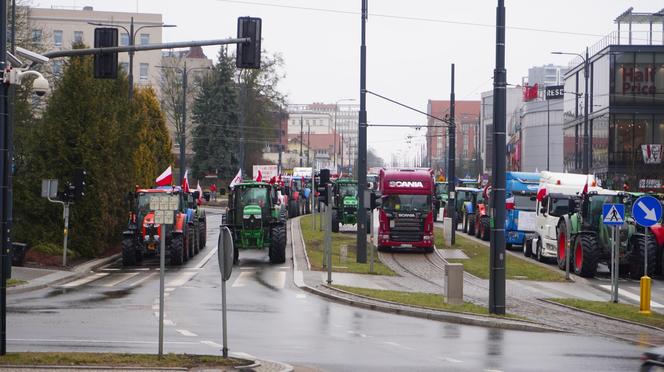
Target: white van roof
(566, 179)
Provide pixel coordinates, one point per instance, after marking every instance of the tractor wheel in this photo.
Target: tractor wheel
(586, 253)
(177, 249)
(292, 208)
(464, 227)
(471, 225)
(278, 244)
(192, 231)
(639, 249)
(484, 225)
(527, 248)
(335, 221)
(562, 245)
(203, 235)
(128, 252)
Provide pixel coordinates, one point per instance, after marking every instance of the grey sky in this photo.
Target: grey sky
(408, 57)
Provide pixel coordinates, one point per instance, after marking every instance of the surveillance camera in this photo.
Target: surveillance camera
(34, 57)
(40, 86)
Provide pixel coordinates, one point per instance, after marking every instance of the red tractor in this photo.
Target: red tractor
(142, 235)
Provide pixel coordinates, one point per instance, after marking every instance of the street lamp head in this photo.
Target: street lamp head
(556, 52)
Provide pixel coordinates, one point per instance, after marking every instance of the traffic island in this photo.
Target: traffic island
(477, 262)
(135, 361)
(611, 310)
(344, 258)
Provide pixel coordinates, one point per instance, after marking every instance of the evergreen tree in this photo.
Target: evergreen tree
(216, 116)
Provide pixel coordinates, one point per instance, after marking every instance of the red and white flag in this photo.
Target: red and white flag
(541, 193)
(585, 188)
(166, 178)
(185, 181)
(509, 202)
(200, 193)
(237, 179)
(259, 177)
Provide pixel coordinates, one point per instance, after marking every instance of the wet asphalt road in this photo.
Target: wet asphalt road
(271, 319)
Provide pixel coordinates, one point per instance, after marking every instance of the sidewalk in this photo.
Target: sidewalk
(523, 298)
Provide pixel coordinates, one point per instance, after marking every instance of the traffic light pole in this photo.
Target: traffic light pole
(6, 179)
(451, 165)
(362, 145)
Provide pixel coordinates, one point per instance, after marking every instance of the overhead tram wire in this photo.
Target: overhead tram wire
(406, 18)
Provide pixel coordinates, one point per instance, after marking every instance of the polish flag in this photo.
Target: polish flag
(509, 202)
(200, 193)
(166, 178)
(541, 193)
(237, 179)
(185, 181)
(585, 188)
(259, 178)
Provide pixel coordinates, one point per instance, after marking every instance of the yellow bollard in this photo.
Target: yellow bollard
(645, 295)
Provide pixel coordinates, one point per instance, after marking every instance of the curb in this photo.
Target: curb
(77, 272)
(390, 307)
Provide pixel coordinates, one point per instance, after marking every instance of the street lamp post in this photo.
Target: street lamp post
(131, 36)
(336, 107)
(586, 137)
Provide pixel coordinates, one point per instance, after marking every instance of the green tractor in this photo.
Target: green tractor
(345, 202)
(591, 240)
(256, 220)
(441, 196)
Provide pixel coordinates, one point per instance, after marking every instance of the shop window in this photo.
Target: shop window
(658, 129)
(57, 38)
(622, 140)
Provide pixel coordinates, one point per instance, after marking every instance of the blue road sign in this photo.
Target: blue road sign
(613, 214)
(647, 210)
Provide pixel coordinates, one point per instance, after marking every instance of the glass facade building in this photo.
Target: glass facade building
(626, 117)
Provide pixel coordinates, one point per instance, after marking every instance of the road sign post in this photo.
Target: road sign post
(613, 215)
(225, 250)
(647, 211)
(164, 207)
(328, 236)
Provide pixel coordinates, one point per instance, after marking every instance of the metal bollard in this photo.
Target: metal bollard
(447, 231)
(645, 295)
(454, 283)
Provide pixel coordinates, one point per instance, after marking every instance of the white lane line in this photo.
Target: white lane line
(110, 269)
(119, 279)
(248, 268)
(357, 334)
(140, 281)
(142, 269)
(284, 267)
(181, 279)
(84, 281)
(300, 295)
(184, 332)
(207, 258)
(169, 322)
(169, 289)
(397, 345)
(155, 306)
(632, 296)
(211, 343)
(451, 360)
(492, 370)
(243, 278)
(277, 279)
(100, 341)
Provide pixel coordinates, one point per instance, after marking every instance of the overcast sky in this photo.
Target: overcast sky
(410, 44)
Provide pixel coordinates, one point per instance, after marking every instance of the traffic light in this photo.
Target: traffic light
(78, 184)
(106, 64)
(324, 180)
(249, 54)
(376, 199)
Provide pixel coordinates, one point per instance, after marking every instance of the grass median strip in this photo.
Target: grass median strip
(15, 282)
(119, 360)
(313, 240)
(430, 300)
(620, 310)
(478, 262)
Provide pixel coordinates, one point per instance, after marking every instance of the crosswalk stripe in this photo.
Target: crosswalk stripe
(83, 281)
(632, 296)
(184, 332)
(242, 279)
(119, 279)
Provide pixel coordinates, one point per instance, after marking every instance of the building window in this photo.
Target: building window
(78, 36)
(36, 36)
(56, 67)
(145, 39)
(57, 37)
(143, 74)
(124, 66)
(124, 39)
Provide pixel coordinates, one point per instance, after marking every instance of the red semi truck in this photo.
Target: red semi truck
(406, 215)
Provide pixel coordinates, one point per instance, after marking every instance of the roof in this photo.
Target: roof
(317, 141)
(629, 16)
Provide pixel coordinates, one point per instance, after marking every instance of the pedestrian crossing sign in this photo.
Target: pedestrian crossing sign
(613, 214)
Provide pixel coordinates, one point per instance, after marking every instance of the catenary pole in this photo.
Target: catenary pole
(5, 177)
(586, 138)
(452, 161)
(362, 144)
(183, 135)
(497, 254)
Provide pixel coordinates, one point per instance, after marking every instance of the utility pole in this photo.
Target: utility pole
(6, 133)
(301, 136)
(341, 144)
(281, 148)
(497, 205)
(586, 136)
(451, 162)
(183, 135)
(362, 144)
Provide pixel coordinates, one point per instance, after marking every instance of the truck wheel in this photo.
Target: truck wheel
(562, 245)
(128, 252)
(335, 221)
(586, 254)
(527, 248)
(278, 244)
(538, 251)
(471, 225)
(639, 249)
(484, 223)
(176, 250)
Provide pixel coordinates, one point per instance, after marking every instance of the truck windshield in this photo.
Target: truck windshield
(441, 188)
(254, 196)
(525, 202)
(410, 203)
(348, 189)
(559, 207)
(144, 202)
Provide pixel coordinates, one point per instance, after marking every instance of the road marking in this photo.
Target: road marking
(83, 281)
(101, 341)
(397, 345)
(155, 306)
(120, 278)
(248, 268)
(169, 289)
(284, 267)
(143, 279)
(357, 334)
(168, 322)
(492, 370)
(207, 258)
(110, 269)
(184, 332)
(211, 343)
(300, 295)
(278, 279)
(451, 360)
(632, 296)
(243, 278)
(181, 279)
